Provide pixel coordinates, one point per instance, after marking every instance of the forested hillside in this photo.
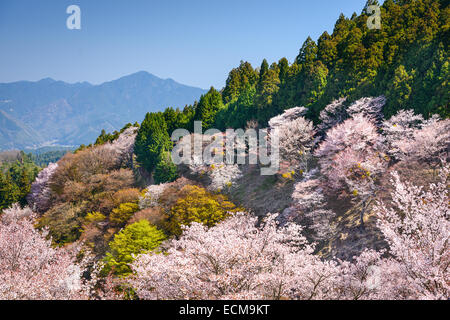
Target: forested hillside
(406, 60)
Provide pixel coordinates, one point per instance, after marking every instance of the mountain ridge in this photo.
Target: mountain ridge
(53, 112)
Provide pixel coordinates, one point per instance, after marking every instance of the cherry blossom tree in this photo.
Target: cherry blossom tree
(39, 197)
(417, 230)
(351, 158)
(339, 110)
(333, 114)
(30, 269)
(398, 128)
(100, 287)
(352, 143)
(295, 138)
(411, 137)
(371, 108)
(235, 259)
(150, 196)
(430, 143)
(124, 145)
(223, 176)
(295, 141)
(287, 116)
(310, 203)
(371, 277)
(361, 278)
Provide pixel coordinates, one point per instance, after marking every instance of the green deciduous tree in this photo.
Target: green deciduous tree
(139, 237)
(123, 213)
(198, 205)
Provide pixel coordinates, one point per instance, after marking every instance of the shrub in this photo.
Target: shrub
(64, 222)
(126, 195)
(139, 237)
(95, 216)
(91, 171)
(81, 166)
(111, 181)
(111, 200)
(156, 216)
(123, 213)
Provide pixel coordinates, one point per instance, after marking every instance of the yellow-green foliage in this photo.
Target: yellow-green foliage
(288, 175)
(123, 213)
(139, 237)
(198, 205)
(94, 217)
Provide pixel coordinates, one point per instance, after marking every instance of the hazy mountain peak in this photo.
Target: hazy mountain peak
(73, 114)
(46, 80)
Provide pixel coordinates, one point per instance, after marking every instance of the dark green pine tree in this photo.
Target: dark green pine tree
(24, 186)
(237, 113)
(370, 3)
(326, 50)
(267, 88)
(354, 61)
(283, 66)
(9, 191)
(152, 139)
(399, 91)
(312, 78)
(208, 106)
(436, 85)
(171, 118)
(263, 69)
(165, 170)
(186, 117)
(102, 138)
(308, 52)
(238, 80)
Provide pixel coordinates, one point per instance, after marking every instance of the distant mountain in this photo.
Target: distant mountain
(50, 112)
(12, 132)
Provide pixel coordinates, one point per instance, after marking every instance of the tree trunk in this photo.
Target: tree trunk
(361, 215)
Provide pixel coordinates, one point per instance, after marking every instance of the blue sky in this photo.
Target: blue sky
(195, 42)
